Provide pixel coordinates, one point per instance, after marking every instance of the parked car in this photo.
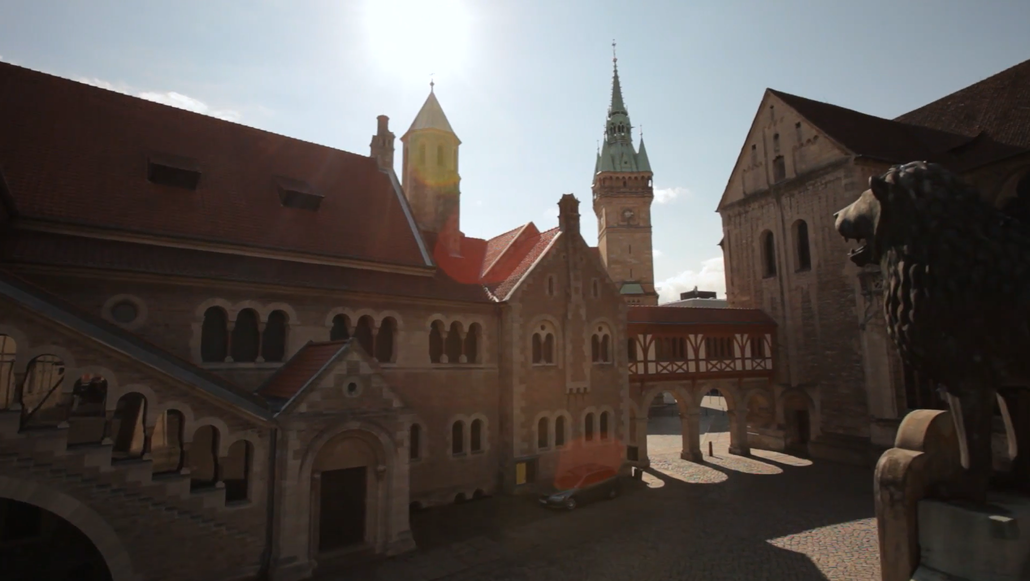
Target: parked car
(582, 484)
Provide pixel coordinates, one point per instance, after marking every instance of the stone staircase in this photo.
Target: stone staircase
(44, 454)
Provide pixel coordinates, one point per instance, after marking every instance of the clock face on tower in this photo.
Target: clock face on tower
(627, 215)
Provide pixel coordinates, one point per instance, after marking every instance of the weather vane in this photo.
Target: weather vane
(615, 59)
(432, 83)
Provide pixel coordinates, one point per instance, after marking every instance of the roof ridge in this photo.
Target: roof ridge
(149, 103)
(981, 82)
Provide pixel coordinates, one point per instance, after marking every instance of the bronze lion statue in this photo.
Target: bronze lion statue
(956, 276)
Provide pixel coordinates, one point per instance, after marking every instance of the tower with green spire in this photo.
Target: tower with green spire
(623, 193)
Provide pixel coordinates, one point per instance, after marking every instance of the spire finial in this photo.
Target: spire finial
(615, 59)
(432, 83)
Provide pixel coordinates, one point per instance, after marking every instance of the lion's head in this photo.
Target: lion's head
(899, 205)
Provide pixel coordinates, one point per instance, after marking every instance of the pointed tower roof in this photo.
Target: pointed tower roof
(617, 152)
(431, 116)
(643, 164)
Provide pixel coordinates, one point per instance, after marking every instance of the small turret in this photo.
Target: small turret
(568, 214)
(382, 143)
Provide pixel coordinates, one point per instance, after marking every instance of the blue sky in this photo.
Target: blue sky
(526, 83)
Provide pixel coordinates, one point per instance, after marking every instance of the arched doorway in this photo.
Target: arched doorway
(38, 544)
(665, 423)
(345, 493)
(714, 422)
(797, 418)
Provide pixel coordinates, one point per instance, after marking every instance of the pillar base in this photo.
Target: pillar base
(692, 456)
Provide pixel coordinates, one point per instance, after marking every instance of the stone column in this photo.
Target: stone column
(738, 433)
(261, 342)
(229, 326)
(691, 427)
(641, 440)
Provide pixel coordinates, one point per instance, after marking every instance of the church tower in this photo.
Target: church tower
(622, 202)
(430, 172)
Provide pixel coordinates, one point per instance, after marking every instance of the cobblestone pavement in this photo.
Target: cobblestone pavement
(772, 516)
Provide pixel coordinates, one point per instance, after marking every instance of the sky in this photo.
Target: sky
(526, 84)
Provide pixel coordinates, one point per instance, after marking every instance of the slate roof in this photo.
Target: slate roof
(75, 153)
(998, 106)
(39, 300)
(430, 116)
(303, 368)
(26, 247)
(663, 315)
(503, 287)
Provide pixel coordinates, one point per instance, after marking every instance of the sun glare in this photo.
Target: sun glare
(413, 38)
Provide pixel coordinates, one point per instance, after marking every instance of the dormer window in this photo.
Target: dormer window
(297, 194)
(173, 170)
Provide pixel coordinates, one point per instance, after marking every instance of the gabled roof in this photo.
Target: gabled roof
(303, 369)
(502, 289)
(77, 154)
(665, 315)
(998, 106)
(430, 116)
(38, 300)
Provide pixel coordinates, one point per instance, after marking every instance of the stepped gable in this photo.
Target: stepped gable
(78, 154)
(36, 299)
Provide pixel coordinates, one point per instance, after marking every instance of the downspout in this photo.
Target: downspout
(271, 490)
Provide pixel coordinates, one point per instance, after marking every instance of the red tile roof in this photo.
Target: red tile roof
(24, 247)
(535, 247)
(496, 246)
(697, 316)
(301, 368)
(998, 106)
(76, 153)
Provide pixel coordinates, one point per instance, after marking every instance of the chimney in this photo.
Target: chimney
(382, 143)
(568, 213)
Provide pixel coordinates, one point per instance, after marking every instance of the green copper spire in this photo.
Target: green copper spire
(643, 164)
(617, 153)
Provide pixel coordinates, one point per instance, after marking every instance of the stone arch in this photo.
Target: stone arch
(535, 444)
(728, 391)
(32, 352)
(584, 416)
(114, 393)
(685, 400)
(398, 321)
(80, 515)
(767, 253)
(610, 426)
(230, 438)
(255, 306)
(366, 312)
(433, 318)
(266, 310)
(449, 434)
(188, 417)
(198, 314)
(423, 441)
(337, 311)
(798, 429)
(216, 423)
(552, 327)
(384, 452)
(756, 418)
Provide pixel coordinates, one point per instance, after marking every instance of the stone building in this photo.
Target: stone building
(225, 352)
(802, 161)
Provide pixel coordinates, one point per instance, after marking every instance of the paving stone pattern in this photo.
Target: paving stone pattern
(772, 516)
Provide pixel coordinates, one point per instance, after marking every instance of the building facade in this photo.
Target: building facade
(802, 161)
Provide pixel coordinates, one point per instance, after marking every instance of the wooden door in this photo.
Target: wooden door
(343, 506)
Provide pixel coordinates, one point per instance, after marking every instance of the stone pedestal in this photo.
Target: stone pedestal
(959, 541)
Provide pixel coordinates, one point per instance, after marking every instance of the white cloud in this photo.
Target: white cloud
(657, 253)
(711, 277)
(170, 98)
(666, 195)
(548, 218)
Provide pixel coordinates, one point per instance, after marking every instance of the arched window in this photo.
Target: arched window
(476, 436)
(600, 345)
(595, 348)
(606, 353)
(453, 345)
(385, 340)
(550, 286)
(42, 402)
(415, 442)
(776, 143)
(422, 153)
(214, 336)
(245, 336)
(595, 288)
(804, 254)
(768, 255)
(127, 427)
(457, 438)
(604, 425)
(543, 344)
(779, 168)
(202, 458)
(273, 340)
(542, 435)
(8, 352)
(236, 471)
(341, 328)
(436, 342)
(588, 427)
(559, 431)
(364, 334)
(472, 344)
(439, 156)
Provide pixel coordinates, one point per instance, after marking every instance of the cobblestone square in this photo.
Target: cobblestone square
(772, 516)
